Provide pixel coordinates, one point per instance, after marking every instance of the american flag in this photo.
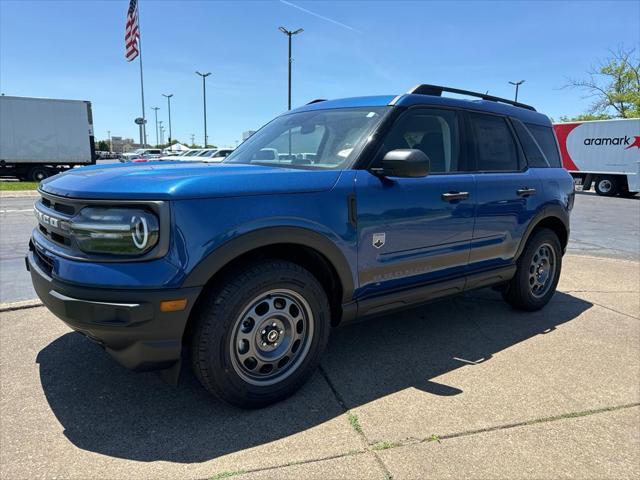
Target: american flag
(132, 32)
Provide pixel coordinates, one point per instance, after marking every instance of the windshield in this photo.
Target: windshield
(322, 139)
(192, 153)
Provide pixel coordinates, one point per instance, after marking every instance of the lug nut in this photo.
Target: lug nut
(264, 331)
(273, 324)
(264, 344)
(275, 344)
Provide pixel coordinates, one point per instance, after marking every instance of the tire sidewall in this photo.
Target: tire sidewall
(230, 385)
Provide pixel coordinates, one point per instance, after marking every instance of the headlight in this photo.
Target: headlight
(116, 231)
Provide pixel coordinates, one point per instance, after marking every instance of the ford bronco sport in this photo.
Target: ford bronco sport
(333, 211)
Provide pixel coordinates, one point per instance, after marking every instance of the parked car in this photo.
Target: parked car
(243, 268)
(217, 155)
(141, 155)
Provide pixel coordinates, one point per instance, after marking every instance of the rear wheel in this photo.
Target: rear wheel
(537, 274)
(37, 174)
(607, 186)
(259, 335)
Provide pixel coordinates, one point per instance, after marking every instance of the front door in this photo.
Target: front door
(412, 231)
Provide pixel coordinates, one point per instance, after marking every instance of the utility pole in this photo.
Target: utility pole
(155, 109)
(193, 139)
(110, 144)
(204, 102)
(290, 34)
(169, 107)
(517, 84)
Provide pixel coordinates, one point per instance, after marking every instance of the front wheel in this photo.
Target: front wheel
(537, 274)
(259, 335)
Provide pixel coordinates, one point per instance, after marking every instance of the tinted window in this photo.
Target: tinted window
(547, 141)
(535, 157)
(496, 149)
(435, 132)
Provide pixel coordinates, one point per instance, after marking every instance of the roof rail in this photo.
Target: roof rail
(437, 90)
(317, 100)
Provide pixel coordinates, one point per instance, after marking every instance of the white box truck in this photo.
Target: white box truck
(606, 152)
(40, 137)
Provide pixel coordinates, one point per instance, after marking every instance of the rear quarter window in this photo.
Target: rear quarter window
(547, 141)
(533, 152)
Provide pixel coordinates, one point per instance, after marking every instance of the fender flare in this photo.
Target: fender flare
(264, 237)
(550, 211)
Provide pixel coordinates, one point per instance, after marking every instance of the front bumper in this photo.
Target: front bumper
(128, 323)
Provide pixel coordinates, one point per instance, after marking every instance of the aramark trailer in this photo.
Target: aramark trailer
(606, 152)
(40, 137)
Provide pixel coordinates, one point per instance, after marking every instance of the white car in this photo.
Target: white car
(141, 154)
(216, 155)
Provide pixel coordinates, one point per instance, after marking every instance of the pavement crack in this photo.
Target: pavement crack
(355, 424)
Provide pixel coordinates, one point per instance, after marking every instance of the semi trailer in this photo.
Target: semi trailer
(604, 152)
(40, 137)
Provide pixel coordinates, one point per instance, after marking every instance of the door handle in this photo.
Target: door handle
(453, 196)
(526, 192)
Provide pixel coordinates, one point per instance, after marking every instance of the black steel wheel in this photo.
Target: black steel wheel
(258, 334)
(537, 274)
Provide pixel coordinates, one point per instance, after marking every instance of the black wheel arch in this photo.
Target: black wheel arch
(553, 217)
(261, 238)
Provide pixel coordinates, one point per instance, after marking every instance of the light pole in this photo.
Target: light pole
(204, 102)
(517, 84)
(290, 34)
(110, 144)
(169, 107)
(155, 109)
(193, 139)
(161, 129)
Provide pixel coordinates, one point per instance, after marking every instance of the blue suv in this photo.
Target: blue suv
(334, 211)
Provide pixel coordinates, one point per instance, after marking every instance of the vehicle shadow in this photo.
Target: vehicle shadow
(106, 409)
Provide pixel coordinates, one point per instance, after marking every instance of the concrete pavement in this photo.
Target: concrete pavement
(464, 387)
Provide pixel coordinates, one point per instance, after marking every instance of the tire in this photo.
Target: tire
(37, 174)
(537, 274)
(261, 314)
(607, 186)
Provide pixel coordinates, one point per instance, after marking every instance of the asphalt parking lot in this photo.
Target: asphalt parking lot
(461, 388)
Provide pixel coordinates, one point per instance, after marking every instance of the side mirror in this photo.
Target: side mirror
(407, 163)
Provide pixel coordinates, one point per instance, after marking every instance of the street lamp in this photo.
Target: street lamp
(155, 110)
(110, 143)
(517, 84)
(204, 102)
(169, 107)
(161, 128)
(290, 34)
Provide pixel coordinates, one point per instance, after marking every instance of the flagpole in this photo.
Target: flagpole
(144, 118)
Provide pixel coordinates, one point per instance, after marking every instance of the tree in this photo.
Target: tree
(103, 146)
(614, 84)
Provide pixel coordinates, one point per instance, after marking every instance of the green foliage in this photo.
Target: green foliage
(103, 146)
(614, 85)
(586, 116)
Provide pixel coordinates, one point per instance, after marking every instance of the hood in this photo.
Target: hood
(181, 180)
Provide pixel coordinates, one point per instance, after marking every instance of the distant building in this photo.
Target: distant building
(123, 145)
(247, 134)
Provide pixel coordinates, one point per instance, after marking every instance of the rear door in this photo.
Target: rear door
(509, 194)
(416, 230)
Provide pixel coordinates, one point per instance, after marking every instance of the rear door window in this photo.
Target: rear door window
(495, 147)
(547, 141)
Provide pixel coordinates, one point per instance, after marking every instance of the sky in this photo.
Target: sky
(75, 50)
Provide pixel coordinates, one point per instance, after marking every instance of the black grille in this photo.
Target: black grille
(45, 262)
